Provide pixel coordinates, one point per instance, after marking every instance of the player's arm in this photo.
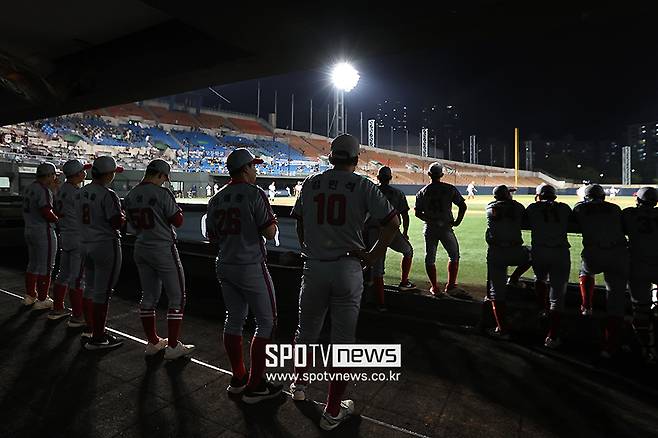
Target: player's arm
(405, 224)
(113, 212)
(386, 235)
(46, 207)
(419, 211)
(460, 213)
(299, 227)
(264, 216)
(171, 208)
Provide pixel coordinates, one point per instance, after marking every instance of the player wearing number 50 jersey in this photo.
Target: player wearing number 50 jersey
(641, 226)
(101, 218)
(331, 213)
(153, 214)
(240, 219)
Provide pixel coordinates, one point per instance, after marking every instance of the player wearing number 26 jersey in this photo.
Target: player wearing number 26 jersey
(101, 218)
(641, 226)
(153, 214)
(239, 220)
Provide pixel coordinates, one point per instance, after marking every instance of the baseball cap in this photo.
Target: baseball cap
(502, 191)
(46, 168)
(648, 195)
(546, 191)
(159, 165)
(241, 157)
(106, 164)
(345, 146)
(73, 167)
(384, 173)
(435, 169)
(594, 191)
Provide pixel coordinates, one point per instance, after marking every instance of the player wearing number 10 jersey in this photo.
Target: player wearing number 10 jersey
(239, 220)
(153, 213)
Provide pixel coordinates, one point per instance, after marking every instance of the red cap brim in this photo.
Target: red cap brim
(257, 161)
(119, 169)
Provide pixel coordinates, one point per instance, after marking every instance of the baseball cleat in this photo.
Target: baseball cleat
(265, 391)
(552, 343)
(153, 349)
(329, 422)
(498, 333)
(298, 391)
(87, 333)
(28, 300)
(58, 314)
(406, 286)
(75, 322)
(438, 294)
(179, 350)
(585, 311)
(104, 342)
(237, 385)
(43, 305)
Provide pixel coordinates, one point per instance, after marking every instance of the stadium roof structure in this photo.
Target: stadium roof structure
(63, 57)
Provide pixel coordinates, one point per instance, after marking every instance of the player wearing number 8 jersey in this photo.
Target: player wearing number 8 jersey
(101, 218)
(331, 213)
(153, 214)
(641, 226)
(239, 220)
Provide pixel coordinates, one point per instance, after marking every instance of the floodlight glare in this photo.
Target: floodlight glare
(344, 76)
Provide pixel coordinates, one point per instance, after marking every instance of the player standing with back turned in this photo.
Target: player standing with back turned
(434, 207)
(330, 213)
(153, 212)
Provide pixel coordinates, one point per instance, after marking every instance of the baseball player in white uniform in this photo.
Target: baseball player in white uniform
(604, 251)
(69, 277)
(434, 207)
(101, 218)
(40, 237)
(239, 220)
(505, 217)
(331, 213)
(400, 242)
(272, 190)
(641, 226)
(153, 213)
(548, 221)
(471, 190)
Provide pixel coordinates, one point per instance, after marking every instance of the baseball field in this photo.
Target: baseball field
(473, 248)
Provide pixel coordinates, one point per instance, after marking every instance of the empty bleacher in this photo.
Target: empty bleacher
(249, 126)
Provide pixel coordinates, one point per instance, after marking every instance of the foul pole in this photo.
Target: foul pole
(516, 157)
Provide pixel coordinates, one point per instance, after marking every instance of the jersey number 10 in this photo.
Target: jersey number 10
(334, 208)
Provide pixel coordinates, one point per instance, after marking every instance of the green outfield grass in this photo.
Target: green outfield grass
(473, 248)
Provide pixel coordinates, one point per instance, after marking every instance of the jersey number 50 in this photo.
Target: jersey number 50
(334, 208)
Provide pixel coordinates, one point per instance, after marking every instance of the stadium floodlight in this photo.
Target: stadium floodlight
(344, 76)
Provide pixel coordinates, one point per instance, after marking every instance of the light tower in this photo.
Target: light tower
(344, 77)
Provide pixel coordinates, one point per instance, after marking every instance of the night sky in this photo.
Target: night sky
(587, 78)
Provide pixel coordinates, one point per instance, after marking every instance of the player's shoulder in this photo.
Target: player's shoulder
(580, 205)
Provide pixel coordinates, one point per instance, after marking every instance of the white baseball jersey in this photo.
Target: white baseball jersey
(641, 226)
(97, 207)
(333, 206)
(66, 208)
(35, 197)
(148, 209)
(600, 223)
(236, 216)
(504, 221)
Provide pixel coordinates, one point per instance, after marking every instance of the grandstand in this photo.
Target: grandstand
(136, 133)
